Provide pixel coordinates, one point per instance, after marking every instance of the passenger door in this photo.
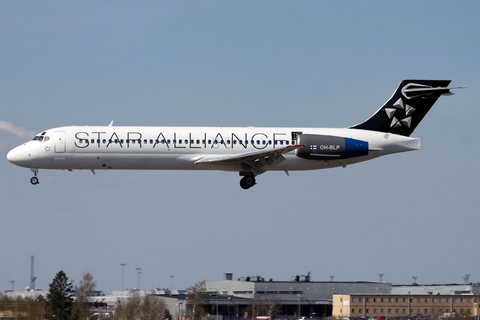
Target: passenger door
(60, 142)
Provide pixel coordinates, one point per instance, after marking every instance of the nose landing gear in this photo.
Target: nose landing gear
(248, 181)
(34, 180)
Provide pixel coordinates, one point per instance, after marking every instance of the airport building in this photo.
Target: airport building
(254, 297)
(298, 297)
(302, 297)
(404, 305)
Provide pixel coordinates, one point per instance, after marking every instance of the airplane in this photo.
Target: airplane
(250, 151)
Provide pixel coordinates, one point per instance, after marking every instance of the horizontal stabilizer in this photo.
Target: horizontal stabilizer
(432, 89)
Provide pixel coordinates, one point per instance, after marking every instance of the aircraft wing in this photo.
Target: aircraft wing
(258, 162)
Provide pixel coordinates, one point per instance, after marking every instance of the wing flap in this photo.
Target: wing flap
(257, 162)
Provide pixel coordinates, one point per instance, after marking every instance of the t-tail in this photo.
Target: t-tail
(402, 113)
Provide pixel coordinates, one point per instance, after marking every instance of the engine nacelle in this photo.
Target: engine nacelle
(320, 147)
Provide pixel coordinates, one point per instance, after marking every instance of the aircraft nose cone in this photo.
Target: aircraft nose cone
(20, 156)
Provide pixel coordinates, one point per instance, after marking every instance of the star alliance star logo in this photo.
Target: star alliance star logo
(399, 107)
(47, 148)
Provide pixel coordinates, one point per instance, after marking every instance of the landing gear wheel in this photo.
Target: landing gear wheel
(34, 180)
(247, 182)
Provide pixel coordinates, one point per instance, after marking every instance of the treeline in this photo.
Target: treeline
(149, 307)
(22, 308)
(59, 303)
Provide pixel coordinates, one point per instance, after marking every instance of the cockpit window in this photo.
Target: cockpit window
(41, 137)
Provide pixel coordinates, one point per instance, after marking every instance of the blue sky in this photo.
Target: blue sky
(239, 63)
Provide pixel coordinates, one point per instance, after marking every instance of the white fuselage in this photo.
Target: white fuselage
(179, 148)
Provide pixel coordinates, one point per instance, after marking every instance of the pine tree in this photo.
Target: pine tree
(59, 300)
(167, 315)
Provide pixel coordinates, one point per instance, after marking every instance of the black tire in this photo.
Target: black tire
(249, 181)
(243, 184)
(34, 180)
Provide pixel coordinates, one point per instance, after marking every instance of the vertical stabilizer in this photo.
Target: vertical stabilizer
(402, 113)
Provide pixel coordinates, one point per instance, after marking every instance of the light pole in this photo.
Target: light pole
(409, 305)
(123, 266)
(216, 308)
(139, 272)
(171, 283)
(299, 306)
(216, 312)
(431, 302)
(180, 310)
(386, 302)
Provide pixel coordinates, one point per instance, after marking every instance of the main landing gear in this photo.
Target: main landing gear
(247, 181)
(34, 180)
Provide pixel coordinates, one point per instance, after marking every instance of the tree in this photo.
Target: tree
(84, 297)
(130, 309)
(167, 315)
(253, 307)
(35, 307)
(153, 308)
(197, 297)
(270, 307)
(150, 308)
(59, 300)
(26, 308)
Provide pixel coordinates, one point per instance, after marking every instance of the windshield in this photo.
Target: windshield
(42, 137)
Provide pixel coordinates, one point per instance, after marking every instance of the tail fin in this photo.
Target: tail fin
(402, 113)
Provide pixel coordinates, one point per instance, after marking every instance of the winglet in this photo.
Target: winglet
(111, 124)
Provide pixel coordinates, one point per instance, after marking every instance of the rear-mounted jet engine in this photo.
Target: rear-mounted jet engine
(320, 147)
